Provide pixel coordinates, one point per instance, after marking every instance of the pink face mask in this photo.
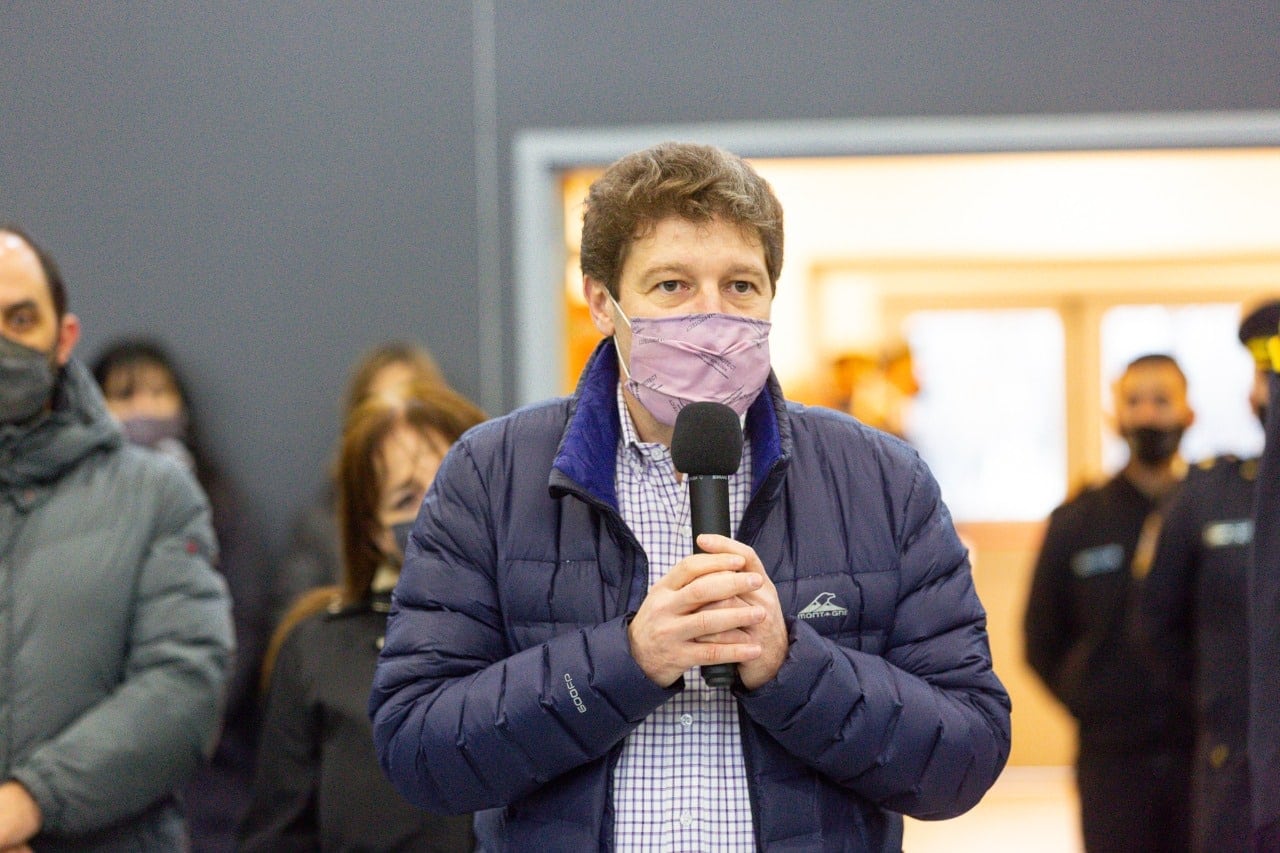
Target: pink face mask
(720, 358)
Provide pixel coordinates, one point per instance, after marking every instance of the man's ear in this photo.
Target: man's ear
(599, 304)
(68, 335)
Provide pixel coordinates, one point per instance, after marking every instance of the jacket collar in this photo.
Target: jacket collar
(587, 455)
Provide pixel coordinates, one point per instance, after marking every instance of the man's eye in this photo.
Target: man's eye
(22, 319)
(670, 286)
(742, 287)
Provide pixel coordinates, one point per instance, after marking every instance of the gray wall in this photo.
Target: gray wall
(273, 190)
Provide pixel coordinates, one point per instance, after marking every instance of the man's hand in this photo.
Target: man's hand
(711, 608)
(770, 633)
(20, 817)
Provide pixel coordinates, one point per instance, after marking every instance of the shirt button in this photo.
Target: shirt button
(686, 720)
(686, 819)
(686, 532)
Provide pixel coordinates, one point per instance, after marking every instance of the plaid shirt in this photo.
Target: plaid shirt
(680, 784)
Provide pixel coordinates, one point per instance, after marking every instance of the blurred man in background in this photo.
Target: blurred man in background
(115, 631)
(1134, 735)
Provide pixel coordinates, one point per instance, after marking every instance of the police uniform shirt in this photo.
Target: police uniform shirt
(1079, 631)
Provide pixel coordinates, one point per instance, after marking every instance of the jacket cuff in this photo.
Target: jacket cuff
(46, 800)
(636, 695)
(773, 703)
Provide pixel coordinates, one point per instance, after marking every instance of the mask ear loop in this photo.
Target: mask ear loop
(622, 364)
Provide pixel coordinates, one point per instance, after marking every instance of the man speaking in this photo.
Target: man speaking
(540, 660)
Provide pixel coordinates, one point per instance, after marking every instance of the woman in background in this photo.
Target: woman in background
(318, 785)
(146, 394)
(312, 557)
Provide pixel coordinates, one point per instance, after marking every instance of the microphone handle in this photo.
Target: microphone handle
(709, 513)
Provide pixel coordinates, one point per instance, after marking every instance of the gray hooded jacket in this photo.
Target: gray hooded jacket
(115, 630)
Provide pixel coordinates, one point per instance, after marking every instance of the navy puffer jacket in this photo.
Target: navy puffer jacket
(506, 682)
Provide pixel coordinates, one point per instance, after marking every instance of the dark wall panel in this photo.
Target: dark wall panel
(581, 63)
(270, 187)
(274, 187)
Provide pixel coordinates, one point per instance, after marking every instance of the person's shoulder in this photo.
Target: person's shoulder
(145, 461)
(1085, 499)
(526, 436)
(139, 471)
(303, 627)
(829, 426)
(1226, 467)
(824, 439)
(534, 419)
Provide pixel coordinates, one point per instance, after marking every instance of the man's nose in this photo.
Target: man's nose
(708, 301)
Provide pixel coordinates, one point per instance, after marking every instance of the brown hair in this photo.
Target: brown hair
(436, 412)
(414, 356)
(1156, 359)
(695, 182)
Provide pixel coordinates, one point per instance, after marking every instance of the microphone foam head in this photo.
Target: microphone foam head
(707, 440)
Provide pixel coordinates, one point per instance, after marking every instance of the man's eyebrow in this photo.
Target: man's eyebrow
(16, 306)
(662, 269)
(682, 269)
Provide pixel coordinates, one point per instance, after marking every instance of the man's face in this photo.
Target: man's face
(27, 314)
(682, 267)
(1152, 396)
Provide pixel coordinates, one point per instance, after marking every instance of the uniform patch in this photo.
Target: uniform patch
(1098, 561)
(1225, 534)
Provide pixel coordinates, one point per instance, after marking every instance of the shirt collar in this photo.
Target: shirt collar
(647, 452)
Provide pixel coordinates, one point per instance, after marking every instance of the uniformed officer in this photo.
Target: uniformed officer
(1260, 335)
(1194, 613)
(1132, 767)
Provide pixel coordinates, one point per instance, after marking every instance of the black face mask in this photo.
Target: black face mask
(27, 377)
(1151, 446)
(401, 533)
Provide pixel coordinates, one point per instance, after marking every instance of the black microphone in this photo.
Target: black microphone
(706, 447)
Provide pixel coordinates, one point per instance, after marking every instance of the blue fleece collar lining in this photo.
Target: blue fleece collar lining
(588, 451)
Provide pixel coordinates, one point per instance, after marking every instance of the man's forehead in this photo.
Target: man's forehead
(1151, 374)
(21, 275)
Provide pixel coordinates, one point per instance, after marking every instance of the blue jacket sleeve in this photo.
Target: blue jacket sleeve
(460, 723)
(924, 728)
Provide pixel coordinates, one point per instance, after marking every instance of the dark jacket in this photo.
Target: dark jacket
(514, 586)
(115, 631)
(1079, 629)
(318, 785)
(216, 798)
(1264, 639)
(1194, 614)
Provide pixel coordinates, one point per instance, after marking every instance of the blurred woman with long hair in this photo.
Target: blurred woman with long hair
(318, 784)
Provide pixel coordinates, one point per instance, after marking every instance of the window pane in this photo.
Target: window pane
(1219, 373)
(989, 419)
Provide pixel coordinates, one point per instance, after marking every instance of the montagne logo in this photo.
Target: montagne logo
(824, 605)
